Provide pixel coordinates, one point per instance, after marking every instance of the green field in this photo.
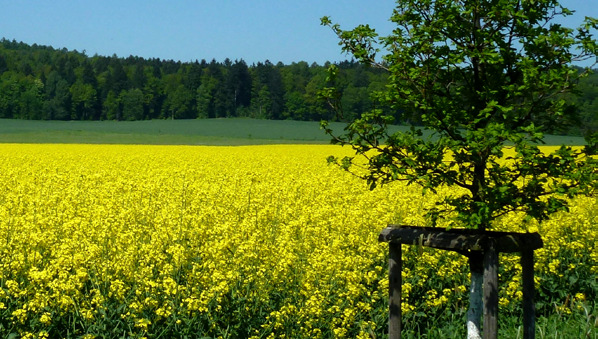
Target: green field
(181, 132)
(162, 132)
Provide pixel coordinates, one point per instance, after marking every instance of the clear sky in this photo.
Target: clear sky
(188, 30)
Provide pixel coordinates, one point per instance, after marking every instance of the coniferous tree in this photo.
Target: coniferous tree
(3, 64)
(239, 86)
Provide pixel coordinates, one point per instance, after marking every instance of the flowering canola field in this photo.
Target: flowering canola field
(236, 242)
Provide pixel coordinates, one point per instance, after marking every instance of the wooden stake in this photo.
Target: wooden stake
(529, 309)
(394, 291)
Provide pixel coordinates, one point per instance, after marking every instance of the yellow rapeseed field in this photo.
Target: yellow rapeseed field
(235, 242)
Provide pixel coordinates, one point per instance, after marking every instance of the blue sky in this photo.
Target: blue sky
(186, 30)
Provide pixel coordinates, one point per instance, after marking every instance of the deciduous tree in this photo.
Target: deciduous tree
(483, 76)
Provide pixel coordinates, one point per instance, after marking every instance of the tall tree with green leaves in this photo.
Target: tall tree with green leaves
(58, 98)
(132, 104)
(238, 83)
(482, 75)
(84, 99)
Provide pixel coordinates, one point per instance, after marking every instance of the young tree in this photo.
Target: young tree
(482, 75)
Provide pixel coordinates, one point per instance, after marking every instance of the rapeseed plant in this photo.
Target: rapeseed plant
(236, 242)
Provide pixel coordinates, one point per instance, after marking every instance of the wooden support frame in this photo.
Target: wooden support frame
(490, 244)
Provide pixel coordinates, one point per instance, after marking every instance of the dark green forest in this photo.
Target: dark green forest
(44, 83)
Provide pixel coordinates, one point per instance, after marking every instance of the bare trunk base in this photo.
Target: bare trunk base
(476, 305)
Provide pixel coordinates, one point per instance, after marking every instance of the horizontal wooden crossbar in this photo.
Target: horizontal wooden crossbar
(459, 239)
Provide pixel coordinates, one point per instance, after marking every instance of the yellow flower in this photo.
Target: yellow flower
(20, 315)
(46, 318)
(580, 297)
(143, 323)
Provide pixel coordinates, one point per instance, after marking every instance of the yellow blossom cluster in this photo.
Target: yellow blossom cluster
(231, 242)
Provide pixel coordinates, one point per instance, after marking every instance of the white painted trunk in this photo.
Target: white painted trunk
(476, 305)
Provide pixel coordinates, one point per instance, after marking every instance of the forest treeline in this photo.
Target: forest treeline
(41, 82)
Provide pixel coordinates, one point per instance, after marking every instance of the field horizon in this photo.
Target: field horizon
(215, 132)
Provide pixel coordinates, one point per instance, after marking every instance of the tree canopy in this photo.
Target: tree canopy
(483, 76)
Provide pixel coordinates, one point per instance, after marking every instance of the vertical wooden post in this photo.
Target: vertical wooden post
(490, 291)
(529, 309)
(394, 290)
(482, 248)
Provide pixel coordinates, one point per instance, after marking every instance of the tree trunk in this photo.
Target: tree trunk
(476, 305)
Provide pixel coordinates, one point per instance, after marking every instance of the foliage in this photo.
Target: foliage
(112, 241)
(482, 75)
(587, 101)
(38, 82)
(75, 86)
